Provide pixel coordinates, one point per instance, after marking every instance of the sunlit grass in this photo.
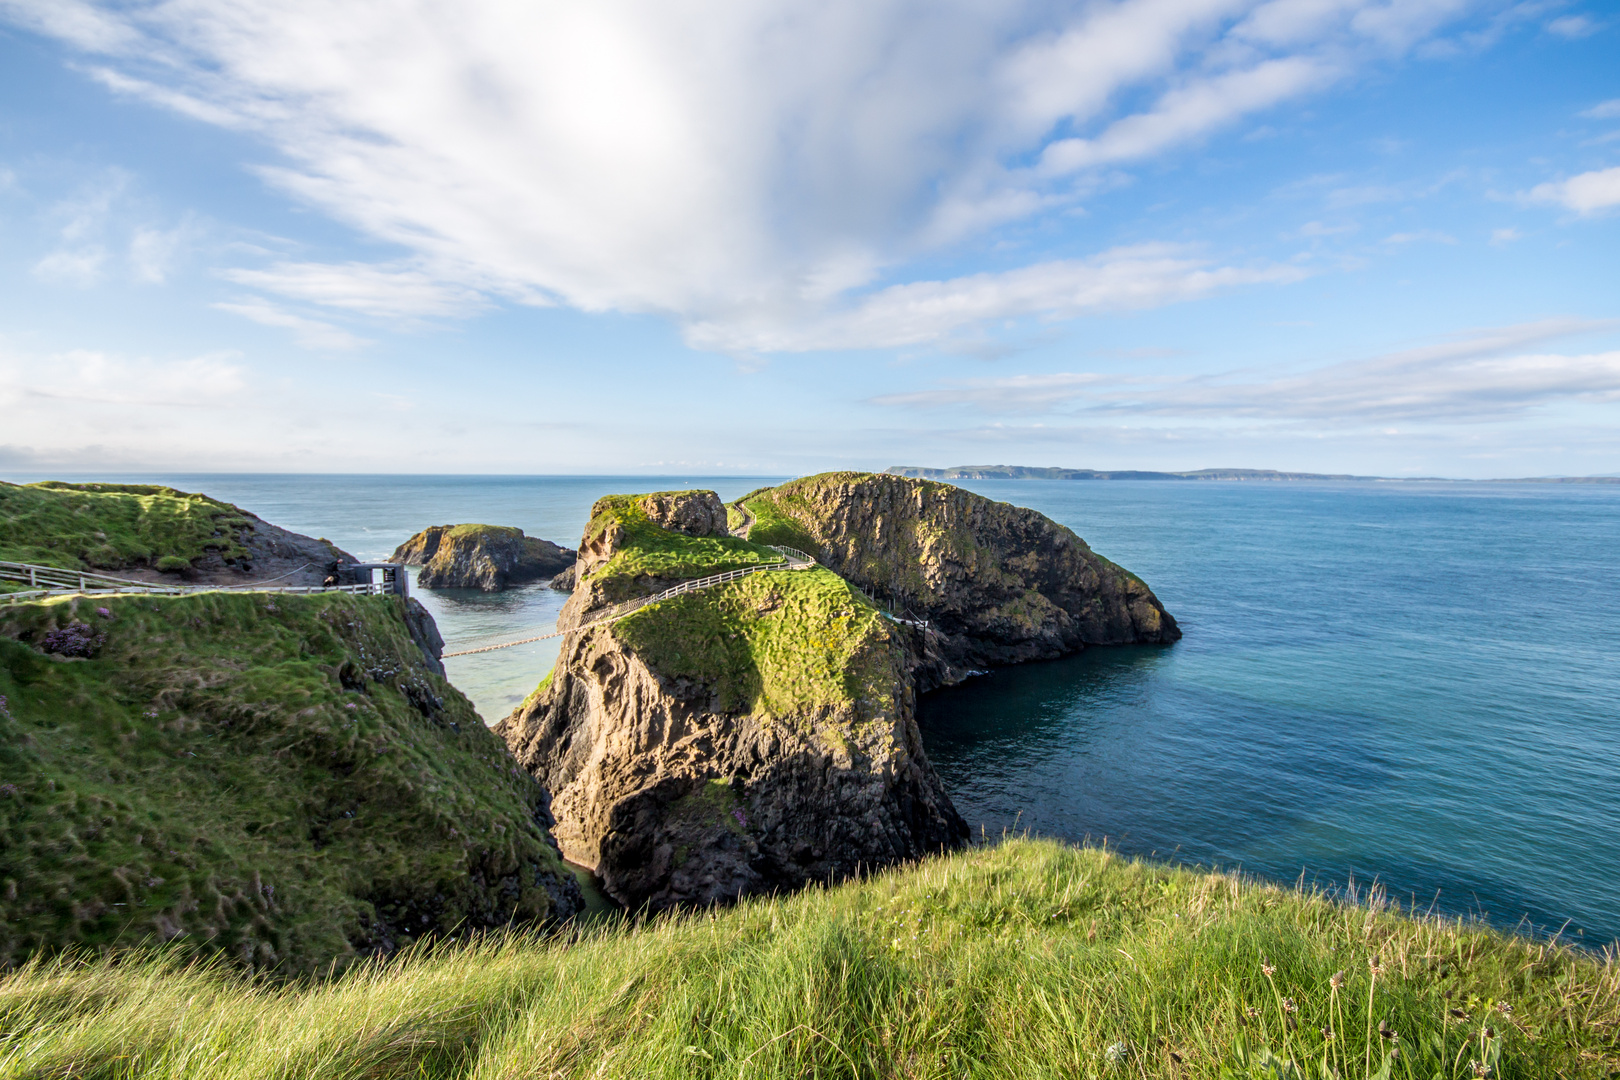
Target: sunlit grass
(1025, 960)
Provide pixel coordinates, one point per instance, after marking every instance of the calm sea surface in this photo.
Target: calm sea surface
(1417, 684)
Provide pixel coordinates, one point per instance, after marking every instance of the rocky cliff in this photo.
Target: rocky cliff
(487, 557)
(996, 583)
(752, 736)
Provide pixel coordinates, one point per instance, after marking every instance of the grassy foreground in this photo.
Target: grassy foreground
(1025, 960)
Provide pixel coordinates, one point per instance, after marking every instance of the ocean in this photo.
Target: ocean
(1408, 685)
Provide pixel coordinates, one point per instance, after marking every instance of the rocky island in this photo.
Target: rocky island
(761, 733)
(487, 557)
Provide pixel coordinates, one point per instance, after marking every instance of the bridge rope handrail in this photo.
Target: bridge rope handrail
(792, 559)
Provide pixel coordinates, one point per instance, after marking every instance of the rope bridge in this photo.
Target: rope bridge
(792, 559)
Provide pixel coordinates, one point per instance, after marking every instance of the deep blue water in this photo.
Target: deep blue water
(1417, 684)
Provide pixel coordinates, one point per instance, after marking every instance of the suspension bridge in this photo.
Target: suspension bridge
(44, 581)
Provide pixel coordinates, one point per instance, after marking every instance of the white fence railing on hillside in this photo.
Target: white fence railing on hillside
(45, 581)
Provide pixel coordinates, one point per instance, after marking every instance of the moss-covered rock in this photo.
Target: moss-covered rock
(996, 583)
(487, 557)
(283, 779)
(750, 736)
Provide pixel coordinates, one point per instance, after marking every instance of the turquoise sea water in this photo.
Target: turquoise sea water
(1417, 684)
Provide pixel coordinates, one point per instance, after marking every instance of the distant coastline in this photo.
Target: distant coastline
(1031, 472)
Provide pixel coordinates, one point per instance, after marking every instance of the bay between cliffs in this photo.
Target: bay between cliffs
(1411, 683)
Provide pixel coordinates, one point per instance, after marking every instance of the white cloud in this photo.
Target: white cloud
(1505, 236)
(1478, 377)
(395, 291)
(79, 267)
(928, 311)
(1574, 26)
(742, 168)
(153, 251)
(1585, 194)
(1606, 110)
(310, 333)
(1431, 236)
(84, 377)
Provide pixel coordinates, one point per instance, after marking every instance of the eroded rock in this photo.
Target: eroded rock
(487, 557)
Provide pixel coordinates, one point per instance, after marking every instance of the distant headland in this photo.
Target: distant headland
(1030, 472)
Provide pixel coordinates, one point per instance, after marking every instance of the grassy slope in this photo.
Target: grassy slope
(776, 643)
(1028, 960)
(252, 770)
(112, 526)
(644, 550)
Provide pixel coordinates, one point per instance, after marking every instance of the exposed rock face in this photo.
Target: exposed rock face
(695, 513)
(487, 557)
(564, 582)
(754, 736)
(997, 583)
(676, 800)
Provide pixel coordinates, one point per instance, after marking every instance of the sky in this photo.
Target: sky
(766, 238)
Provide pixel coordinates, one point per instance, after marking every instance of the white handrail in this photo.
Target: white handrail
(59, 581)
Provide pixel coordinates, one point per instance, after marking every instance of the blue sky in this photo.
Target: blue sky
(1366, 236)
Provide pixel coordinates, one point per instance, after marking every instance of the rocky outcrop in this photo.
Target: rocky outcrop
(754, 736)
(996, 583)
(487, 557)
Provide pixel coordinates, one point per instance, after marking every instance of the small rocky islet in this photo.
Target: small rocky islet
(289, 780)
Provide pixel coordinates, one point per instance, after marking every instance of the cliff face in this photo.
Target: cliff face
(287, 780)
(755, 735)
(487, 557)
(997, 583)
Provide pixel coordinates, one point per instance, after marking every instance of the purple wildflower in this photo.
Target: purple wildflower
(5, 707)
(8, 790)
(104, 612)
(741, 819)
(75, 639)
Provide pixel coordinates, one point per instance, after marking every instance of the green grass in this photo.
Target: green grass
(775, 523)
(278, 777)
(645, 551)
(1028, 960)
(782, 642)
(113, 526)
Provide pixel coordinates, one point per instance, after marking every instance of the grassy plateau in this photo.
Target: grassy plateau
(643, 550)
(1028, 959)
(113, 526)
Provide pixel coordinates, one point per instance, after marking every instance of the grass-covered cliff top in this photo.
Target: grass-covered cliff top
(1028, 961)
(643, 549)
(113, 526)
(277, 777)
(778, 643)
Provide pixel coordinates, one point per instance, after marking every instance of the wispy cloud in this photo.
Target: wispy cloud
(310, 333)
(89, 377)
(751, 171)
(925, 312)
(1480, 376)
(1587, 193)
(385, 291)
(1606, 110)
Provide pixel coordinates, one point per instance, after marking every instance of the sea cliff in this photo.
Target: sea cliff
(749, 737)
